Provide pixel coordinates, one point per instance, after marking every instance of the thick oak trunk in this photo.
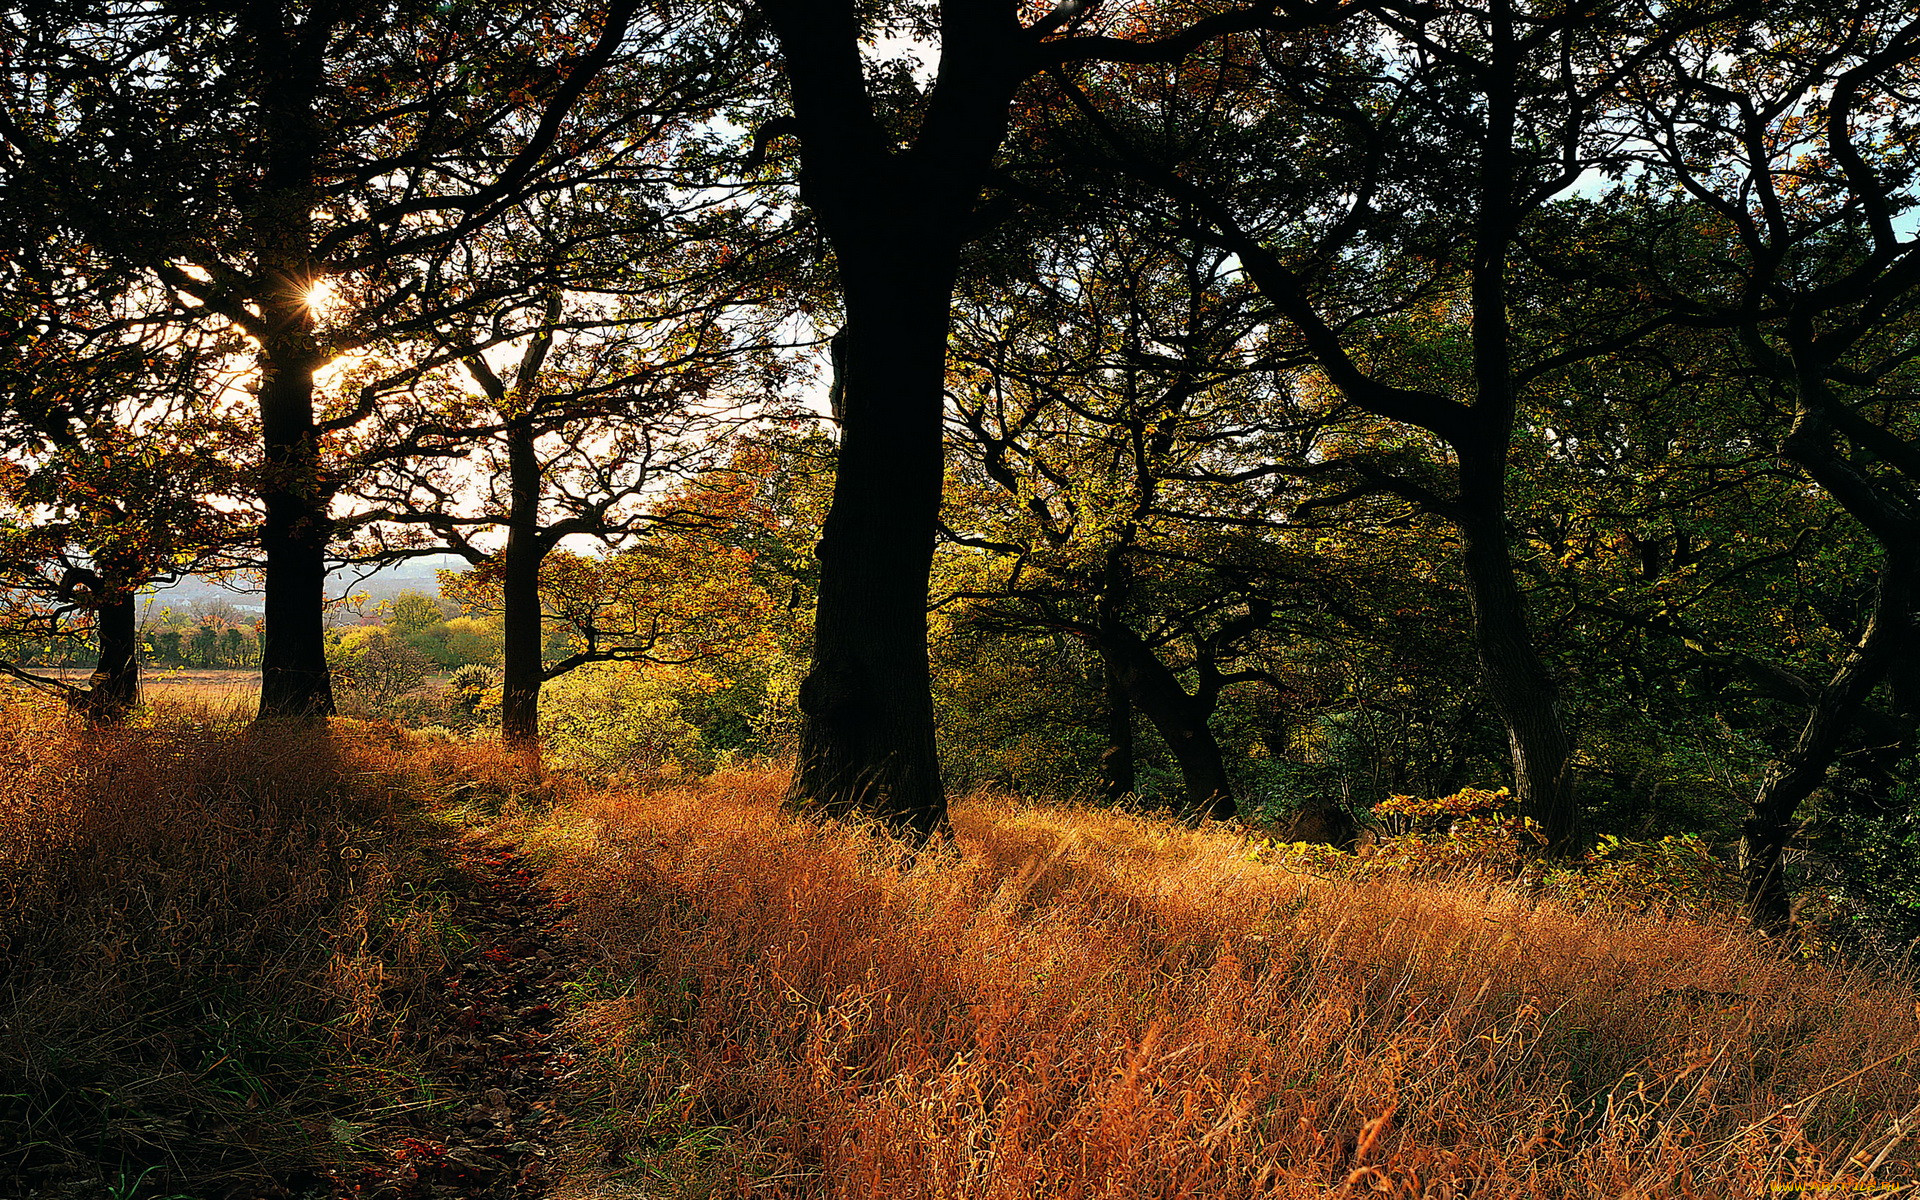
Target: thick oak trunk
(1768, 829)
(1518, 685)
(1769, 826)
(293, 656)
(1179, 719)
(114, 687)
(294, 682)
(867, 742)
(522, 669)
(1515, 679)
(896, 220)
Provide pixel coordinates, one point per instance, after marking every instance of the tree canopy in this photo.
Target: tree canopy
(1248, 406)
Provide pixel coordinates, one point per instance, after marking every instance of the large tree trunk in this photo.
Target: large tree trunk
(1518, 685)
(1179, 719)
(294, 682)
(867, 741)
(1514, 678)
(522, 670)
(1770, 822)
(1519, 688)
(114, 687)
(293, 651)
(1769, 825)
(896, 220)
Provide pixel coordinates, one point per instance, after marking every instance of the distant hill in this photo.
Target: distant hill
(417, 575)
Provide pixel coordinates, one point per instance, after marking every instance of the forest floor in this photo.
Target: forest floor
(489, 1043)
(352, 962)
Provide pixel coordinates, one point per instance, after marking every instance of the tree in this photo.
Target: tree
(682, 592)
(342, 153)
(603, 406)
(1797, 154)
(205, 644)
(1435, 142)
(1094, 376)
(893, 173)
(115, 455)
(629, 321)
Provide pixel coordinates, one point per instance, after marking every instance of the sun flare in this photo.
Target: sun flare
(321, 298)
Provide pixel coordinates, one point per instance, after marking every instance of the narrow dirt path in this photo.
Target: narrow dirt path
(490, 1042)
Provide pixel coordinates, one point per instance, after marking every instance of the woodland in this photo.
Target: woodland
(1474, 441)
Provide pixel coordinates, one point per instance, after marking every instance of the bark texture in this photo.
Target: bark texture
(1117, 779)
(1513, 677)
(114, 687)
(896, 219)
(867, 742)
(522, 670)
(294, 682)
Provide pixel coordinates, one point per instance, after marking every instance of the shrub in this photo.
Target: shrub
(1475, 832)
(372, 669)
(475, 687)
(623, 720)
(1678, 874)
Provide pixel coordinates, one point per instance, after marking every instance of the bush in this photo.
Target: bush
(475, 687)
(1677, 874)
(1475, 832)
(623, 720)
(372, 670)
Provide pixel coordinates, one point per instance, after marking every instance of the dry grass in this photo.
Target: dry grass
(214, 689)
(1074, 1003)
(206, 928)
(210, 931)
(191, 692)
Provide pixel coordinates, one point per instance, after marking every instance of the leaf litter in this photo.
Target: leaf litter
(491, 1044)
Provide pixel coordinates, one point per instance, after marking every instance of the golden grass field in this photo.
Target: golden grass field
(216, 690)
(214, 933)
(1073, 1002)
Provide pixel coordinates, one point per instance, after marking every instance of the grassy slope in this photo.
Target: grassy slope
(1079, 1003)
(207, 932)
(209, 935)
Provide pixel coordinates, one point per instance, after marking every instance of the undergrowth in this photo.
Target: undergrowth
(208, 931)
(1078, 1003)
(213, 933)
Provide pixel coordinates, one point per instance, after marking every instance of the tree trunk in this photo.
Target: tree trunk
(1515, 679)
(1769, 826)
(1179, 719)
(294, 682)
(1116, 761)
(293, 651)
(522, 670)
(866, 744)
(1518, 684)
(114, 687)
(896, 220)
(1881, 645)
